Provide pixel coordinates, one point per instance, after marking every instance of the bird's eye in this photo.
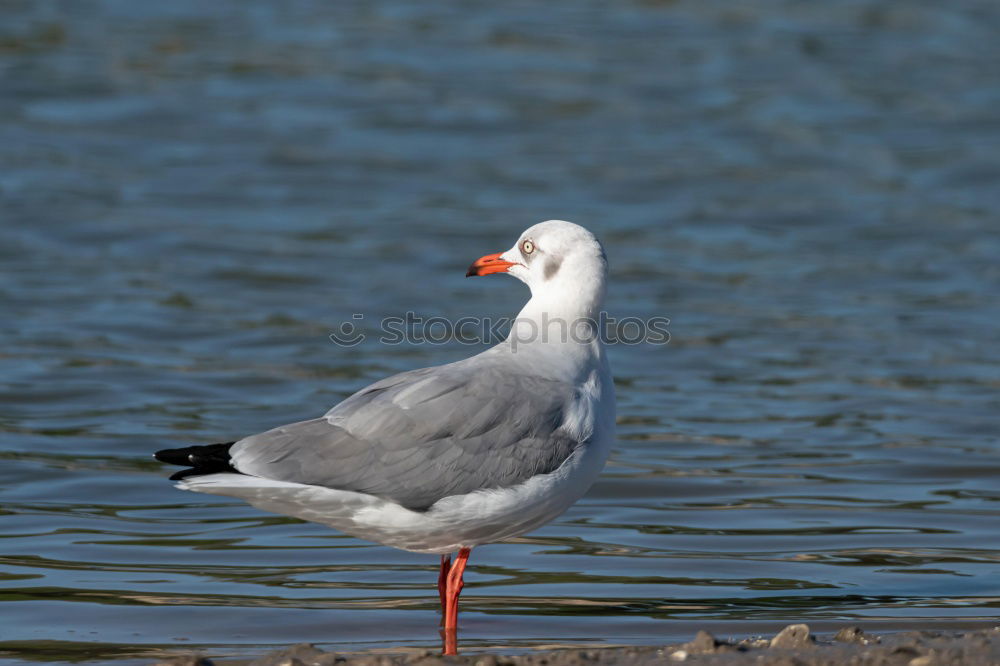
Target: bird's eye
(527, 247)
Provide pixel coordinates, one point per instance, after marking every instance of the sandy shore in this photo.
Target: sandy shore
(795, 645)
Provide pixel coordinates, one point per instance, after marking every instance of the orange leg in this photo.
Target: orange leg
(443, 582)
(449, 646)
(454, 588)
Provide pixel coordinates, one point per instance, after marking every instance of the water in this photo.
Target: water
(196, 194)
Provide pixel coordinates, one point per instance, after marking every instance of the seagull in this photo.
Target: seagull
(443, 459)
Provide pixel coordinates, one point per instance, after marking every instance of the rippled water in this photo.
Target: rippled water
(195, 194)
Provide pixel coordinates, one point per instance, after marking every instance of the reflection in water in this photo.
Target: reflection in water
(196, 196)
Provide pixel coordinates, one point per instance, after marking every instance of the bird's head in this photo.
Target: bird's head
(550, 257)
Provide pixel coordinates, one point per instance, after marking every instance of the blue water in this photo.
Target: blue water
(196, 194)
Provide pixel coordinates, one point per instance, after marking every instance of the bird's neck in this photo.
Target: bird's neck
(549, 310)
(568, 318)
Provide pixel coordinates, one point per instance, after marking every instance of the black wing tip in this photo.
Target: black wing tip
(174, 456)
(208, 459)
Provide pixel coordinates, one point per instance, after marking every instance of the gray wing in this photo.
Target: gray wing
(422, 435)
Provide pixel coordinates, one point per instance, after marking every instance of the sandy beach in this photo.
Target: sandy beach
(795, 645)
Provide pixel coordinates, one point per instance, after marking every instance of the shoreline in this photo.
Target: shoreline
(795, 645)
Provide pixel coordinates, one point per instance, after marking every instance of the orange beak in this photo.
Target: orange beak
(491, 263)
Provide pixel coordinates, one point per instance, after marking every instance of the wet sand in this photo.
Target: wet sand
(795, 645)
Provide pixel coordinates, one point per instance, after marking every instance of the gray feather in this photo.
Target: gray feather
(552, 267)
(422, 435)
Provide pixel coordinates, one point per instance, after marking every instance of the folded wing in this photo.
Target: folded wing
(422, 435)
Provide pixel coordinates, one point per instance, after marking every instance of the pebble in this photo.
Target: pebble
(925, 660)
(851, 635)
(793, 637)
(703, 643)
(303, 654)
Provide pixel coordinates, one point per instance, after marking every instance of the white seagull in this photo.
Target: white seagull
(444, 459)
